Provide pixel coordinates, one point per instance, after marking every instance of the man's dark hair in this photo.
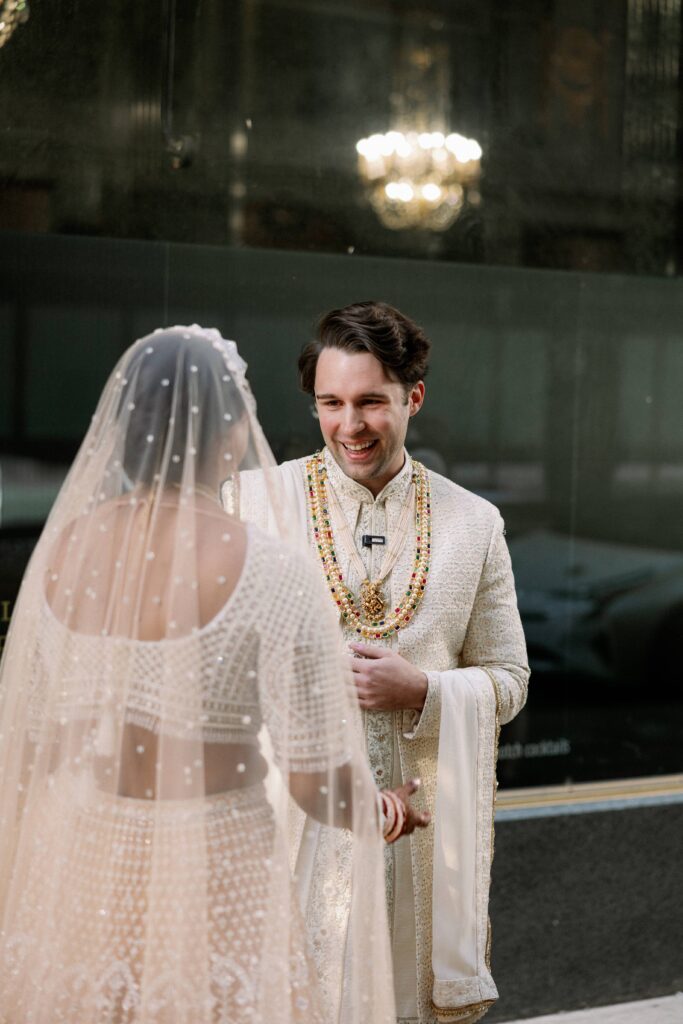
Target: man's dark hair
(392, 338)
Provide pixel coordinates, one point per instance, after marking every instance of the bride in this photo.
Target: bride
(171, 680)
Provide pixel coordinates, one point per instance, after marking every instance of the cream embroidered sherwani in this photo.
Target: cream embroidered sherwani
(467, 637)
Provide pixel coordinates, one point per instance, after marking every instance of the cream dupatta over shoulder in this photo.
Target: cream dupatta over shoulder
(468, 638)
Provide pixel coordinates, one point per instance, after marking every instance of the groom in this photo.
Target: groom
(419, 570)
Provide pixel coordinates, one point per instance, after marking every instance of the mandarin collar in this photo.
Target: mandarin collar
(398, 486)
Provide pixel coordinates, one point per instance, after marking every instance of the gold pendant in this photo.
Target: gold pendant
(372, 602)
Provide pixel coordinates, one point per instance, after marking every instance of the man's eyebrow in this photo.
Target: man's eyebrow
(368, 394)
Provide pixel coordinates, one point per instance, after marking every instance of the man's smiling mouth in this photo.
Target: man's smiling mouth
(363, 446)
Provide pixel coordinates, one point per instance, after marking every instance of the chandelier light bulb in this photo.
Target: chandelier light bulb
(475, 150)
(399, 191)
(386, 146)
(431, 192)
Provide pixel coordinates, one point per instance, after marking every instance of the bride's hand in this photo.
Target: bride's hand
(413, 818)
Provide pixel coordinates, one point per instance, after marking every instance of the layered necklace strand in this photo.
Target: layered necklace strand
(369, 619)
(371, 599)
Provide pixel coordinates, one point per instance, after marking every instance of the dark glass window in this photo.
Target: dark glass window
(507, 174)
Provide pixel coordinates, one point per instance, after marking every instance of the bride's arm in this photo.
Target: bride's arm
(310, 705)
(325, 796)
(328, 797)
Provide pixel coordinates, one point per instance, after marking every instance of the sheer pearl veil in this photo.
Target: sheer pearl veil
(172, 690)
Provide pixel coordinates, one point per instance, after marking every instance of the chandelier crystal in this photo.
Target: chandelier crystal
(12, 14)
(419, 179)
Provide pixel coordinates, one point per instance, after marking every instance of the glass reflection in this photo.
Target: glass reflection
(313, 127)
(241, 123)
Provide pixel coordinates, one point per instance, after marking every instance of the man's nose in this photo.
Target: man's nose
(353, 420)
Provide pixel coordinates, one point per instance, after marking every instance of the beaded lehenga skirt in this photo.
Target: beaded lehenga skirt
(162, 916)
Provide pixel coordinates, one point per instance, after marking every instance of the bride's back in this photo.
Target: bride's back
(151, 570)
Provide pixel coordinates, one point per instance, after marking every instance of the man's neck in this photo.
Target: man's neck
(373, 484)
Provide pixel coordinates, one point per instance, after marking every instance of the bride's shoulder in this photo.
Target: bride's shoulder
(285, 559)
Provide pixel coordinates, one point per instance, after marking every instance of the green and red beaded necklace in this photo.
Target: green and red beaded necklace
(369, 619)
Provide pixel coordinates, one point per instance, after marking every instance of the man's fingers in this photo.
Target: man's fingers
(418, 821)
(370, 650)
(359, 666)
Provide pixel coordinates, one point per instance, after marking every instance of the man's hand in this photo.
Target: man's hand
(385, 681)
(414, 818)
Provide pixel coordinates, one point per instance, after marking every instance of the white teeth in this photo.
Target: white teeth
(359, 447)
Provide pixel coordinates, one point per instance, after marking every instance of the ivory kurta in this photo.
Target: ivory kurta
(467, 637)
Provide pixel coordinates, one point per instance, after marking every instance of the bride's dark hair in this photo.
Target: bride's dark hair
(176, 388)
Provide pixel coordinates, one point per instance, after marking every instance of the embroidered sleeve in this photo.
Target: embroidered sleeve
(426, 721)
(305, 689)
(494, 640)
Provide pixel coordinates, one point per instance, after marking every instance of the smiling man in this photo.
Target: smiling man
(363, 413)
(419, 570)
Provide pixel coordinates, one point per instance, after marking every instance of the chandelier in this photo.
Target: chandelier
(12, 13)
(419, 179)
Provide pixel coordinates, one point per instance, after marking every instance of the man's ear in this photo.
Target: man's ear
(416, 397)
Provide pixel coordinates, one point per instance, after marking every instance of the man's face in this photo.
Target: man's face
(363, 415)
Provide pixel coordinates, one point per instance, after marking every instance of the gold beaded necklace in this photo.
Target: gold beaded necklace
(370, 620)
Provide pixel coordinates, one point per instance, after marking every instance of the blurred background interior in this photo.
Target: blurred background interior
(508, 174)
